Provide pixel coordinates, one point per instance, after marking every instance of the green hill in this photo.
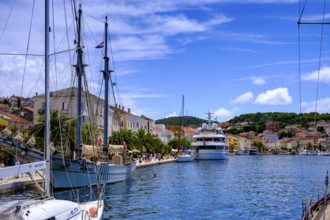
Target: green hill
(284, 118)
(256, 121)
(188, 121)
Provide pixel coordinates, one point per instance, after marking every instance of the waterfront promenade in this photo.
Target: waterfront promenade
(24, 181)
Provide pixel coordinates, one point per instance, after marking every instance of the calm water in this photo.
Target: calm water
(242, 187)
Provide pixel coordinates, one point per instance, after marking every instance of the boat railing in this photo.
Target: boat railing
(316, 206)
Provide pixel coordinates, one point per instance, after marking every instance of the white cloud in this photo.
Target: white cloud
(12, 72)
(173, 114)
(323, 106)
(258, 81)
(222, 112)
(323, 77)
(279, 96)
(139, 48)
(244, 98)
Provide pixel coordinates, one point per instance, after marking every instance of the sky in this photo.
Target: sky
(225, 56)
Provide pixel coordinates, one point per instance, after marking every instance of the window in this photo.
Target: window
(62, 105)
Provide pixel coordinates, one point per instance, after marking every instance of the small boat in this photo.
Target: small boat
(186, 158)
(210, 142)
(242, 152)
(253, 151)
(185, 155)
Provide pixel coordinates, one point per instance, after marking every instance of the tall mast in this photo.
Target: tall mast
(79, 71)
(182, 122)
(106, 77)
(180, 140)
(47, 102)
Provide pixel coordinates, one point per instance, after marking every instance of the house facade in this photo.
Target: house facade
(65, 101)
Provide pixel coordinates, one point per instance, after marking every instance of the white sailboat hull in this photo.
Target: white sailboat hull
(53, 209)
(186, 158)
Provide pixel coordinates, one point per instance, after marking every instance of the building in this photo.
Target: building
(128, 120)
(25, 112)
(189, 133)
(233, 141)
(273, 126)
(4, 108)
(65, 101)
(160, 131)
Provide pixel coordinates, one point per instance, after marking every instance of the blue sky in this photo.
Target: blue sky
(231, 57)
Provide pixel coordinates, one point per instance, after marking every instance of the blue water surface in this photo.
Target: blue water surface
(242, 187)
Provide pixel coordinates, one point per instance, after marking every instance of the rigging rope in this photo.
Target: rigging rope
(114, 72)
(4, 28)
(319, 67)
(301, 11)
(312, 187)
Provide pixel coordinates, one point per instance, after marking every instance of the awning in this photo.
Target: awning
(90, 150)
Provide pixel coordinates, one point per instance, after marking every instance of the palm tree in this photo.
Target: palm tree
(62, 129)
(90, 134)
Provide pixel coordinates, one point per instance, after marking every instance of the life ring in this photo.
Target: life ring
(92, 212)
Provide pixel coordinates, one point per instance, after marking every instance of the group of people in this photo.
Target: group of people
(154, 157)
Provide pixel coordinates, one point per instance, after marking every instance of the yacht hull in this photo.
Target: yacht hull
(211, 155)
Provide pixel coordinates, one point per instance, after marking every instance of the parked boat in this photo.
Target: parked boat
(47, 207)
(185, 158)
(242, 152)
(77, 172)
(209, 142)
(185, 155)
(319, 209)
(253, 151)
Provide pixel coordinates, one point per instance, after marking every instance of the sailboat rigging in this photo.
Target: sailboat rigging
(49, 207)
(321, 208)
(185, 155)
(67, 173)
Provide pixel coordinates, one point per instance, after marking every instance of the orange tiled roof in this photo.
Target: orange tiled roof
(4, 106)
(189, 129)
(13, 118)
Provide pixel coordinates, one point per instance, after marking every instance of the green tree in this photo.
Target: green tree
(89, 134)
(62, 130)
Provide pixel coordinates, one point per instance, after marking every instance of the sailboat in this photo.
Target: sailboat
(185, 155)
(48, 207)
(67, 173)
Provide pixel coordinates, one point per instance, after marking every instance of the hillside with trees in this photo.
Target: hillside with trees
(256, 121)
(188, 121)
(284, 118)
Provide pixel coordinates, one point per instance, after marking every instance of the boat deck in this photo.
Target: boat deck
(322, 213)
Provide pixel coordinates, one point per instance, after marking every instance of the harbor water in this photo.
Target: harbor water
(242, 187)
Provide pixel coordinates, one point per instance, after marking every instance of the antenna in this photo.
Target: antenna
(209, 113)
